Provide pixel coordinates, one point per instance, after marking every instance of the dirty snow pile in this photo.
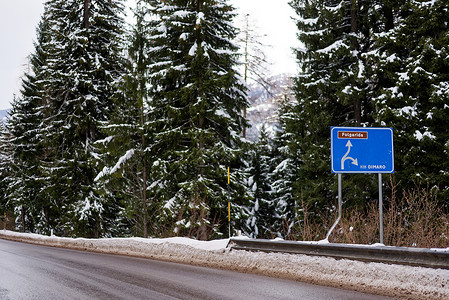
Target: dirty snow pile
(376, 278)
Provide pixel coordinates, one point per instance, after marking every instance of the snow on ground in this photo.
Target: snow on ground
(376, 278)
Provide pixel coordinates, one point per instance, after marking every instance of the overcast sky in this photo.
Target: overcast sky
(20, 18)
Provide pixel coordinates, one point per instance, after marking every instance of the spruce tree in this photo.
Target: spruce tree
(262, 204)
(23, 140)
(127, 157)
(286, 163)
(370, 63)
(84, 61)
(412, 75)
(197, 99)
(331, 90)
(23, 190)
(5, 159)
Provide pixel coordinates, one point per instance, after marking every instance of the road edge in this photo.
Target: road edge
(266, 264)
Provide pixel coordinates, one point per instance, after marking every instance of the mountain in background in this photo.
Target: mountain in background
(4, 114)
(265, 100)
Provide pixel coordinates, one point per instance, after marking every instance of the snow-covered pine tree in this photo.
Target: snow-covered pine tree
(413, 92)
(5, 159)
(84, 62)
(286, 161)
(23, 139)
(261, 218)
(332, 90)
(23, 188)
(197, 99)
(127, 176)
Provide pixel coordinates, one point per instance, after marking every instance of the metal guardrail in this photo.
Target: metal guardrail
(385, 254)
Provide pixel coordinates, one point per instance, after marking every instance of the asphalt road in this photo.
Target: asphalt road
(38, 272)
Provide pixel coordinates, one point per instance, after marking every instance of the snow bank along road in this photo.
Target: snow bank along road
(374, 278)
(39, 272)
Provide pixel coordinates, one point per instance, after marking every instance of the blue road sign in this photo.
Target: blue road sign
(362, 150)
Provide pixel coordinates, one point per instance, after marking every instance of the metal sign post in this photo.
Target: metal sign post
(340, 201)
(381, 221)
(361, 150)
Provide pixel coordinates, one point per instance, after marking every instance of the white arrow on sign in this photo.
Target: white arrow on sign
(345, 157)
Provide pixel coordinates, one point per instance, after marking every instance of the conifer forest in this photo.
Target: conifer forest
(129, 129)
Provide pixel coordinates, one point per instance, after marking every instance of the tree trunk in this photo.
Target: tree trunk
(354, 14)
(246, 69)
(144, 199)
(86, 13)
(356, 46)
(144, 178)
(388, 14)
(23, 219)
(358, 111)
